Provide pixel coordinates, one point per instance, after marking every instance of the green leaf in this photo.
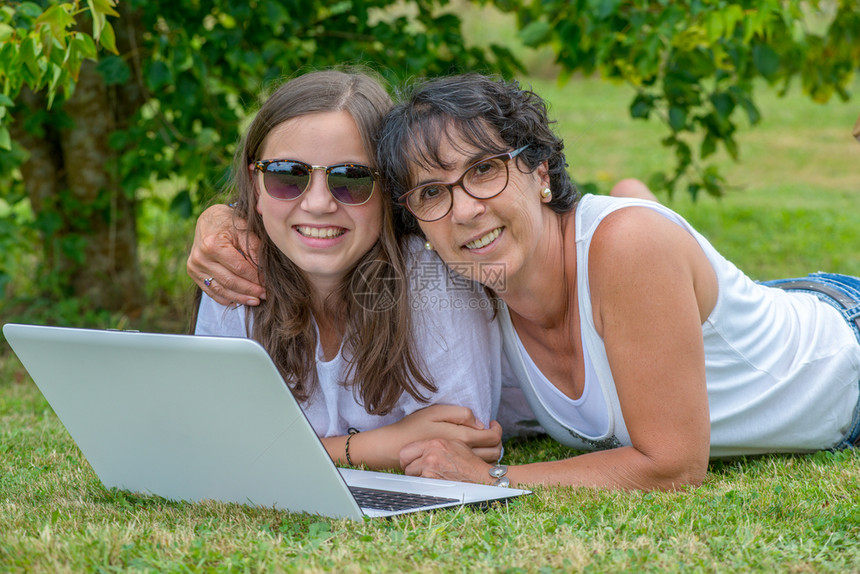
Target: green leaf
(602, 9)
(714, 183)
(341, 7)
(693, 190)
(99, 20)
(766, 61)
(207, 137)
(103, 7)
(114, 70)
(658, 181)
(226, 20)
(58, 19)
(6, 32)
(683, 154)
(47, 40)
(731, 146)
(57, 75)
(731, 16)
(535, 33)
(714, 26)
(752, 111)
(5, 138)
(641, 106)
(182, 204)
(709, 145)
(108, 39)
(6, 101)
(159, 75)
(723, 104)
(29, 10)
(28, 57)
(86, 47)
(677, 118)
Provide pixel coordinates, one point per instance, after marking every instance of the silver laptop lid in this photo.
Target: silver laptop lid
(190, 418)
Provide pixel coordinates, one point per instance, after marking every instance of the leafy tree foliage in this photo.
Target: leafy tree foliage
(175, 80)
(182, 78)
(695, 63)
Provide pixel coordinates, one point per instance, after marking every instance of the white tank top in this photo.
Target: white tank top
(782, 368)
(587, 414)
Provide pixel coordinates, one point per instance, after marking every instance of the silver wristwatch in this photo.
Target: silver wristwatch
(498, 472)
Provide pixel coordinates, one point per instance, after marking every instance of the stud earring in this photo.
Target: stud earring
(547, 192)
(428, 246)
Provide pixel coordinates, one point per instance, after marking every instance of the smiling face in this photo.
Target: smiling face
(322, 237)
(489, 240)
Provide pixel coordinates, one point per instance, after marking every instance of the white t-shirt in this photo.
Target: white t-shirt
(781, 368)
(455, 337)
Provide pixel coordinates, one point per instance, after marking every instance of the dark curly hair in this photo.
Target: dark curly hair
(488, 113)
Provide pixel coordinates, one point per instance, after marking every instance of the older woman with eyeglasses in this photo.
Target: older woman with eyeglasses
(631, 336)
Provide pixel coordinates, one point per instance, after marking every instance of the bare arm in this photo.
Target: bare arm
(651, 288)
(380, 448)
(217, 258)
(632, 188)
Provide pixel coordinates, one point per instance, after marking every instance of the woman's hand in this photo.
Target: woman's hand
(380, 448)
(218, 257)
(451, 423)
(446, 459)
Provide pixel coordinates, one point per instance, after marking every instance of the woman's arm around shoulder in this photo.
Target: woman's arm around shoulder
(218, 261)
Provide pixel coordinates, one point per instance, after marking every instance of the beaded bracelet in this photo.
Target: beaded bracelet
(498, 472)
(352, 431)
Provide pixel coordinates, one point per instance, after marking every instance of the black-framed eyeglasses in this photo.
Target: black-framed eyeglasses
(288, 179)
(484, 179)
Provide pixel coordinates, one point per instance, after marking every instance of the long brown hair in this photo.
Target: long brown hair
(378, 342)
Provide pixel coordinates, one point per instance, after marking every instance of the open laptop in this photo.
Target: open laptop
(207, 418)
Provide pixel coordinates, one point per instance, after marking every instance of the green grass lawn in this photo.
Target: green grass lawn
(796, 209)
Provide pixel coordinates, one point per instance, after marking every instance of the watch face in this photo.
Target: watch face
(504, 482)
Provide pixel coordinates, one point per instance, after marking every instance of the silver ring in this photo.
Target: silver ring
(209, 281)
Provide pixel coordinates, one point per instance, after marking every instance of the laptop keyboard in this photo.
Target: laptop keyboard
(391, 500)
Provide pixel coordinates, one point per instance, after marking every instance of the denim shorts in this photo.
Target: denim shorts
(843, 292)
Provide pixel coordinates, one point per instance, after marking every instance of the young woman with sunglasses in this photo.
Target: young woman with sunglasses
(340, 319)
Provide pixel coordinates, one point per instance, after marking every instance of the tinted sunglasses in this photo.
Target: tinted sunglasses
(287, 179)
